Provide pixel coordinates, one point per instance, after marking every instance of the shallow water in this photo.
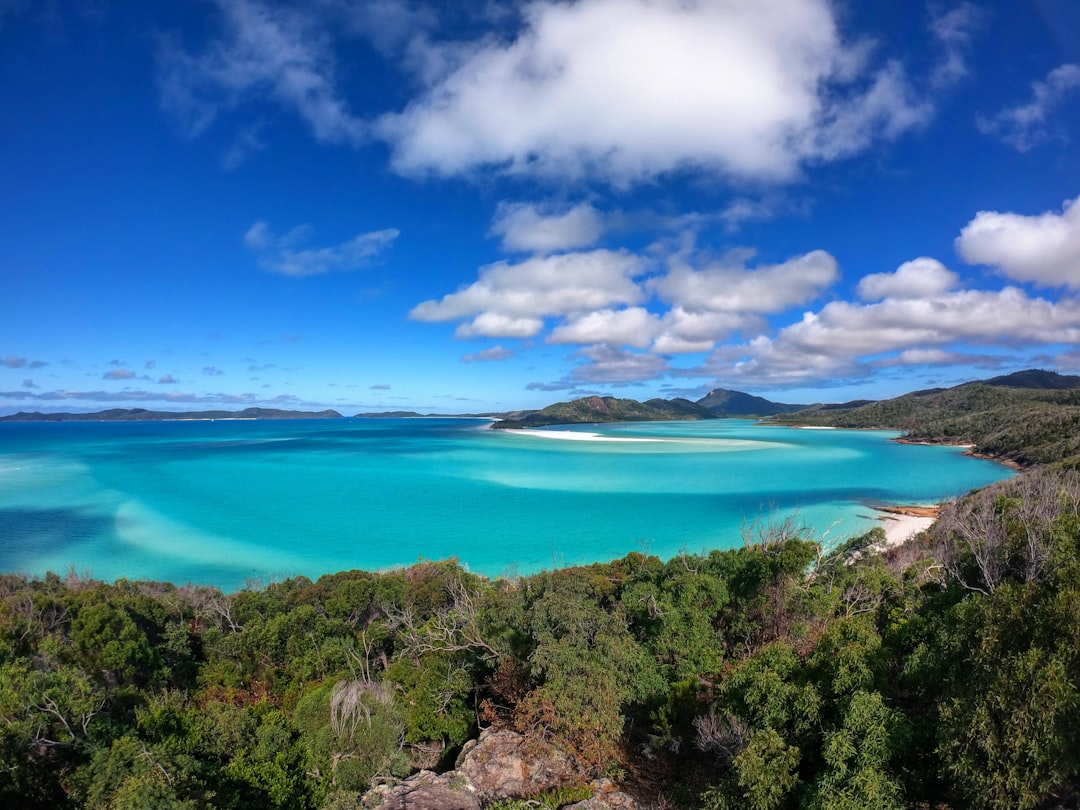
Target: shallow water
(225, 502)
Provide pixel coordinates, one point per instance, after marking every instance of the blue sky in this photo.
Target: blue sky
(468, 206)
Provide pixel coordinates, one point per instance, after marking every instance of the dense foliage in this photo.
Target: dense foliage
(1028, 426)
(943, 674)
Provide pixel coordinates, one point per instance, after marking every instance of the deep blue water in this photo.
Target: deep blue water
(225, 502)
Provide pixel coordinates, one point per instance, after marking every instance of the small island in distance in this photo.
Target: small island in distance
(143, 415)
(1025, 418)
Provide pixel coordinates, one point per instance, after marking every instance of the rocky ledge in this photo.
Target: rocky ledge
(500, 765)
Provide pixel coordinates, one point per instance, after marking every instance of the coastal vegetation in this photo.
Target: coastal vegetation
(1028, 418)
(942, 673)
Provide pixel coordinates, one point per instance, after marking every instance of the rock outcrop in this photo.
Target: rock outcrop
(500, 765)
(504, 764)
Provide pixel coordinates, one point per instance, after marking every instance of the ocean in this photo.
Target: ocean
(232, 503)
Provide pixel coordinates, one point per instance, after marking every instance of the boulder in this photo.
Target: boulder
(499, 765)
(424, 791)
(504, 764)
(607, 796)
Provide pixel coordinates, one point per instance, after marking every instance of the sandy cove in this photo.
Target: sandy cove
(903, 522)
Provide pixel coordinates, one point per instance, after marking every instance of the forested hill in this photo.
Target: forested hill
(724, 402)
(605, 409)
(1030, 418)
(143, 415)
(717, 403)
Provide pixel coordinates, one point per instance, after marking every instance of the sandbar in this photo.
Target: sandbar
(579, 436)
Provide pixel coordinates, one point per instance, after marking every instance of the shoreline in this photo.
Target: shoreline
(969, 450)
(901, 523)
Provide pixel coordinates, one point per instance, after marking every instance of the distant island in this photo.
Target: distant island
(1027, 418)
(143, 415)
(718, 403)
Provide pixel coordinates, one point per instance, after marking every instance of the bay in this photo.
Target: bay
(229, 502)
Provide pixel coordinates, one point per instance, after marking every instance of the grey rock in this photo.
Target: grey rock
(424, 791)
(504, 764)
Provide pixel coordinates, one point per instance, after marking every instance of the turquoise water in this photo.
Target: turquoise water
(226, 502)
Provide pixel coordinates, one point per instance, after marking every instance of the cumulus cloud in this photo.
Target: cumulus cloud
(920, 278)
(729, 286)
(379, 387)
(1043, 249)
(282, 254)
(267, 52)
(212, 371)
(607, 364)
(634, 326)
(28, 383)
(689, 332)
(168, 379)
(624, 90)
(511, 300)
(497, 325)
(938, 357)
(843, 338)
(495, 353)
(1028, 124)
(543, 229)
(118, 374)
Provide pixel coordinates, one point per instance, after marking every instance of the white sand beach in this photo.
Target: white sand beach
(900, 528)
(578, 436)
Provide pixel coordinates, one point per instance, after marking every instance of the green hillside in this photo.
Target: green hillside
(605, 409)
(1029, 418)
(724, 402)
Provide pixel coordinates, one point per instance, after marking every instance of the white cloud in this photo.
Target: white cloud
(118, 374)
(843, 338)
(729, 286)
(624, 90)
(1027, 125)
(686, 332)
(634, 326)
(497, 325)
(528, 227)
(389, 24)
(279, 254)
(607, 364)
(934, 357)
(1043, 249)
(509, 300)
(266, 52)
(953, 29)
(495, 353)
(919, 278)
